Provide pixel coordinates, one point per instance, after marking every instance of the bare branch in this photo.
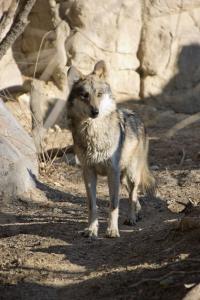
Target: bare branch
(17, 28)
(7, 20)
(182, 124)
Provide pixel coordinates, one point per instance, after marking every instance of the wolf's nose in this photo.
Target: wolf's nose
(95, 112)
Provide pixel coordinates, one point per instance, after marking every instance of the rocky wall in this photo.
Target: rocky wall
(151, 47)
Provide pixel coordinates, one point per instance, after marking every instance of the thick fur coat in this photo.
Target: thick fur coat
(108, 141)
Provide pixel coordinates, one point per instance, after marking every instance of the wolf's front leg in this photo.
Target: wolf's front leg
(113, 185)
(90, 179)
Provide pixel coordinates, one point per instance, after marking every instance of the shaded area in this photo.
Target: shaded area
(162, 284)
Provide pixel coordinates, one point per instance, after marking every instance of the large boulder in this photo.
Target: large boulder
(170, 50)
(11, 74)
(109, 30)
(151, 47)
(18, 159)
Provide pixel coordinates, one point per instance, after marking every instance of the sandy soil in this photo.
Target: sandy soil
(43, 255)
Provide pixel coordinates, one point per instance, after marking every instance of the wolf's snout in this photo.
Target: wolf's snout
(94, 112)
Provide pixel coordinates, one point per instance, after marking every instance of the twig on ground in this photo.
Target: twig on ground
(182, 124)
(162, 278)
(183, 157)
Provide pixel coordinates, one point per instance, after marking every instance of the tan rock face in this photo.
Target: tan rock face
(171, 47)
(151, 47)
(109, 30)
(18, 159)
(11, 73)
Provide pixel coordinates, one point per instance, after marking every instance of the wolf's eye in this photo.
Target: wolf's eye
(84, 96)
(99, 94)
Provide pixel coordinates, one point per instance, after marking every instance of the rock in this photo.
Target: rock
(193, 294)
(117, 46)
(108, 30)
(170, 52)
(155, 168)
(21, 111)
(57, 140)
(176, 207)
(11, 73)
(4, 6)
(18, 160)
(152, 48)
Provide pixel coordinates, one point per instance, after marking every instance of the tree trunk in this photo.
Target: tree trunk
(13, 20)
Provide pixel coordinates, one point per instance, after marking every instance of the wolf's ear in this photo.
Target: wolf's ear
(100, 69)
(73, 75)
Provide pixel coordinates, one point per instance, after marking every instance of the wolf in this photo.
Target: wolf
(110, 142)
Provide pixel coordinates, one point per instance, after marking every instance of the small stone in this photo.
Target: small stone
(57, 128)
(176, 207)
(154, 168)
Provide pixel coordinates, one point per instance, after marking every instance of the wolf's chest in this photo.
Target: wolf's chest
(97, 143)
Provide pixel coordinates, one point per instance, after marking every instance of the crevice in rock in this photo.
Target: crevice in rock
(140, 51)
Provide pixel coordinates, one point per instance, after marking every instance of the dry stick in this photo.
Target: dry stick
(37, 125)
(188, 223)
(39, 51)
(36, 31)
(159, 279)
(51, 158)
(48, 71)
(17, 28)
(29, 66)
(183, 157)
(180, 125)
(43, 53)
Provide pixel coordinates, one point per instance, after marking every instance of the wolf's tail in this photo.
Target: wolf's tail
(147, 180)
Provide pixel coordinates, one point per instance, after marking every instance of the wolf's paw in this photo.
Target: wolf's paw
(131, 221)
(90, 233)
(112, 232)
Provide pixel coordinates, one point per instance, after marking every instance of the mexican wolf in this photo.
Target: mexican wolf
(109, 142)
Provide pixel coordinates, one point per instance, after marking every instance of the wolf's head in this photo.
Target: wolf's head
(90, 95)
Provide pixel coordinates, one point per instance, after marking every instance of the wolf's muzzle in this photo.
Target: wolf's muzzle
(94, 112)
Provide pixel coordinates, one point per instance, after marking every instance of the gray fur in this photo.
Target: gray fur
(111, 143)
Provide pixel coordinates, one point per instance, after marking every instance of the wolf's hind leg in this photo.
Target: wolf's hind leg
(134, 211)
(90, 179)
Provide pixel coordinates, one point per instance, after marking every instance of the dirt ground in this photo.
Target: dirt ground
(44, 256)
